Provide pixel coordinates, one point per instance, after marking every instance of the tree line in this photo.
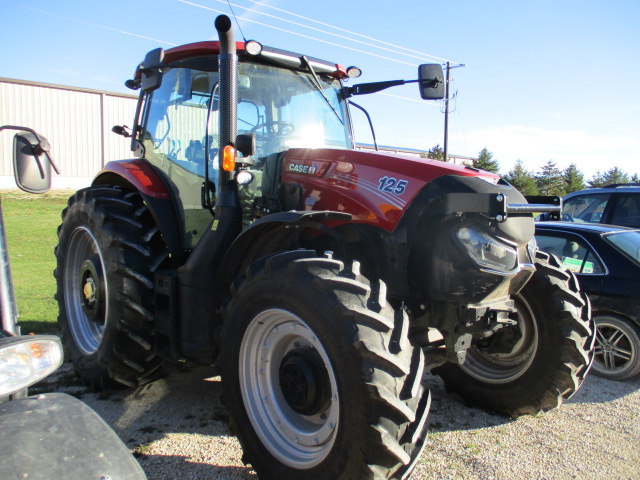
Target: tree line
(549, 180)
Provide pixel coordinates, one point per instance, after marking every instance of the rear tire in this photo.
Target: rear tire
(319, 375)
(548, 365)
(108, 249)
(617, 354)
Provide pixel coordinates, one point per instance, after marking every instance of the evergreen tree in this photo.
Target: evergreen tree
(573, 179)
(615, 175)
(611, 176)
(522, 179)
(635, 178)
(596, 181)
(550, 180)
(485, 161)
(435, 153)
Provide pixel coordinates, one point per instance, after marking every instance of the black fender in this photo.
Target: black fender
(273, 233)
(204, 287)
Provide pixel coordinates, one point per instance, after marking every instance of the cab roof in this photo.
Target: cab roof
(270, 54)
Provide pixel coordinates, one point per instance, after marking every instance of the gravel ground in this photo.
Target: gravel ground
(178, 430)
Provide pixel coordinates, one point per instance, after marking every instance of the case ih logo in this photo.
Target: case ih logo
(298, 168)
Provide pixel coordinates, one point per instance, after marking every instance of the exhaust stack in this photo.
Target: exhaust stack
(228, 74)
(197, 275)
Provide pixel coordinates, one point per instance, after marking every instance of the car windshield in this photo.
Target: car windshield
(586, 208)
(627, 242)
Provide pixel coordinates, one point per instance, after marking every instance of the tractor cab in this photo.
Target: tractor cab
(284, 100)
(280, 106)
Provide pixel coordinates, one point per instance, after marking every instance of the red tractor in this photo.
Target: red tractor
(324, 281)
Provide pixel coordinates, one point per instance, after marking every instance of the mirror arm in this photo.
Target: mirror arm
(373, 87)
(121, 130)
(41, 147)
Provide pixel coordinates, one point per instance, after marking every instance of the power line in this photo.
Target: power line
(237, 23)
(98, 26)
(422, 55)
(352, 33)
(422, 102)
(320, 40)
(302, 35)
(124, 32)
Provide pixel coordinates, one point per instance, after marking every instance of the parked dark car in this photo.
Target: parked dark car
(606, 260)
(616, 204)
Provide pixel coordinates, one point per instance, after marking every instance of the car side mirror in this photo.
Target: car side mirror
(431, 81)
(151, 71)
(31, 162)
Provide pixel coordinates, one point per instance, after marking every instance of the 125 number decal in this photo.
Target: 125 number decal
(392, 185)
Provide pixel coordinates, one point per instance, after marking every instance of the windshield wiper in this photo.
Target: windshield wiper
(318, 86)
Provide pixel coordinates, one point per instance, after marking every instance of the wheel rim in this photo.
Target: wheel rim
(498, 368)
(85, 288)
(289, 389)
(615, 351)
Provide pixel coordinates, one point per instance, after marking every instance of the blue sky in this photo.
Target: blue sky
(546, 80)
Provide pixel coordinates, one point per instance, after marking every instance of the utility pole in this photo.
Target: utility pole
(446, 114)
(446, 110)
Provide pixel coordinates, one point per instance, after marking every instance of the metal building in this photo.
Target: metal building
(76, 121)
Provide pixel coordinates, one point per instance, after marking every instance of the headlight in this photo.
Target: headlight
(24, 360)
(487, 251)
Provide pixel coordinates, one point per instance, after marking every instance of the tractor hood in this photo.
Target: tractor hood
(424, 168)
(374, 187)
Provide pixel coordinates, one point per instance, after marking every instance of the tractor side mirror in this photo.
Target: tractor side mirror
(431, 81)
(151, 71)
(31, 162)
(246, 144)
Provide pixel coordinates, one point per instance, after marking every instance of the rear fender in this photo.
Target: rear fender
(138, 174)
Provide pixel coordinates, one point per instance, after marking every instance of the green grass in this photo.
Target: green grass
(31, 222)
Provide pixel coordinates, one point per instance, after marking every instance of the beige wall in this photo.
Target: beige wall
(76, 122)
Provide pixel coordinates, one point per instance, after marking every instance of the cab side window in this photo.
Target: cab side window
(175, 139)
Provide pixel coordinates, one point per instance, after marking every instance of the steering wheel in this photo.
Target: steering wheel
(276, 127)
(564, 217)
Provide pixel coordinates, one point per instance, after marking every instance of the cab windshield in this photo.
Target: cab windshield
(283, 108)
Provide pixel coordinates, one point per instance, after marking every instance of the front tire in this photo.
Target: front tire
(548, 363)
(319, 375)
(108, 249)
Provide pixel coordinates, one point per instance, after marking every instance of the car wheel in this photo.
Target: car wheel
(617, 354)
